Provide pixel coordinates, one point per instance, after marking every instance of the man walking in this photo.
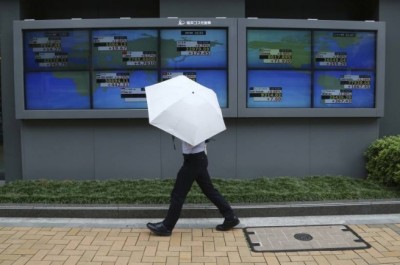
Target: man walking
(194, 168)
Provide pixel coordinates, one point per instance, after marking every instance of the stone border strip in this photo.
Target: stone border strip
(202, 211)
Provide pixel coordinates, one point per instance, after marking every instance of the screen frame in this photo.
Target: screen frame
(312, 24)
(92, 24)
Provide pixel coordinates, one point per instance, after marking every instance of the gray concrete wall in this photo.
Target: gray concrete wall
(9, 11)
(249, 148)
(389, 11)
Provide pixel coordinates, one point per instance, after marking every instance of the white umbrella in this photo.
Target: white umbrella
(185, 109)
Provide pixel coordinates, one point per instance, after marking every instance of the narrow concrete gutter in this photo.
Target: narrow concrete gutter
(202, 210)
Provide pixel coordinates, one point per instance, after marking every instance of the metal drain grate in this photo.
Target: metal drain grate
(303, 238)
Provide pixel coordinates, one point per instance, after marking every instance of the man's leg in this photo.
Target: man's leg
(205, 184)
(183, 183)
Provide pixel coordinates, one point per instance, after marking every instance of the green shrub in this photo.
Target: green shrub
(383, 160)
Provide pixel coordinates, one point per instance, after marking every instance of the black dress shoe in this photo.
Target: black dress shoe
(159, 229)
(228, 224)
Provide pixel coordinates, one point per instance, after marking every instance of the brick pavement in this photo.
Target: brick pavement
(120, 246)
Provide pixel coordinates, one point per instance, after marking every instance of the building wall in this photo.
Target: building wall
(389, 11)
(130, 148)
(9, 11)
(249, 148)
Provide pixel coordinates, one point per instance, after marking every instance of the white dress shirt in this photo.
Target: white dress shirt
(190, 149)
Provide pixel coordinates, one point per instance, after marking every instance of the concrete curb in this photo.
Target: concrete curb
(202, 211)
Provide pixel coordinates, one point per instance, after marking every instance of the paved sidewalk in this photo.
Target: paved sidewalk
(115, 241)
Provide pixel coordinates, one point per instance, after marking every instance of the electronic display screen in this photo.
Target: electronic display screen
(272, 48)
(122, 89)
(344, 89)
(286, 68)
(217, 80)
(123, 62)
(57, 90)
(279, 89)
(122, 49)
(335, 49)
(56, 50)
(330, 68)
(193, 48)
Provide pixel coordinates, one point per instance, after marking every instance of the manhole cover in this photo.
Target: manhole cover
(303, 238)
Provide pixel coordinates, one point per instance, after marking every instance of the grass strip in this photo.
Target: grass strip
(260, 190)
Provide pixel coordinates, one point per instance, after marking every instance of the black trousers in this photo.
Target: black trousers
(194, 169)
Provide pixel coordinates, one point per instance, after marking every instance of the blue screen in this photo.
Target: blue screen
(193, 48)
(339, 68)
(56, 50)
(109, 68)
(344, 49)
(122, 89)
(121, 49)
(57, 90)
(278, 89)
(344, 89)
(278, 48)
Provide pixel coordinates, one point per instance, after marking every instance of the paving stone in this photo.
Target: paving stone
(303, 238)
(107, 246)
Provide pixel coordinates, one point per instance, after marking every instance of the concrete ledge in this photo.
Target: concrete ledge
(202, 211)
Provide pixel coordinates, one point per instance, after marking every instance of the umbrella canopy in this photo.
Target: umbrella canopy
(185, 109)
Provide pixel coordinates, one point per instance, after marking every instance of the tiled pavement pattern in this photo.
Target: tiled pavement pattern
(301, 238)
(104, 246)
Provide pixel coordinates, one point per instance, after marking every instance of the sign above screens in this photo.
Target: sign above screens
(301, 68)
(99, 68)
